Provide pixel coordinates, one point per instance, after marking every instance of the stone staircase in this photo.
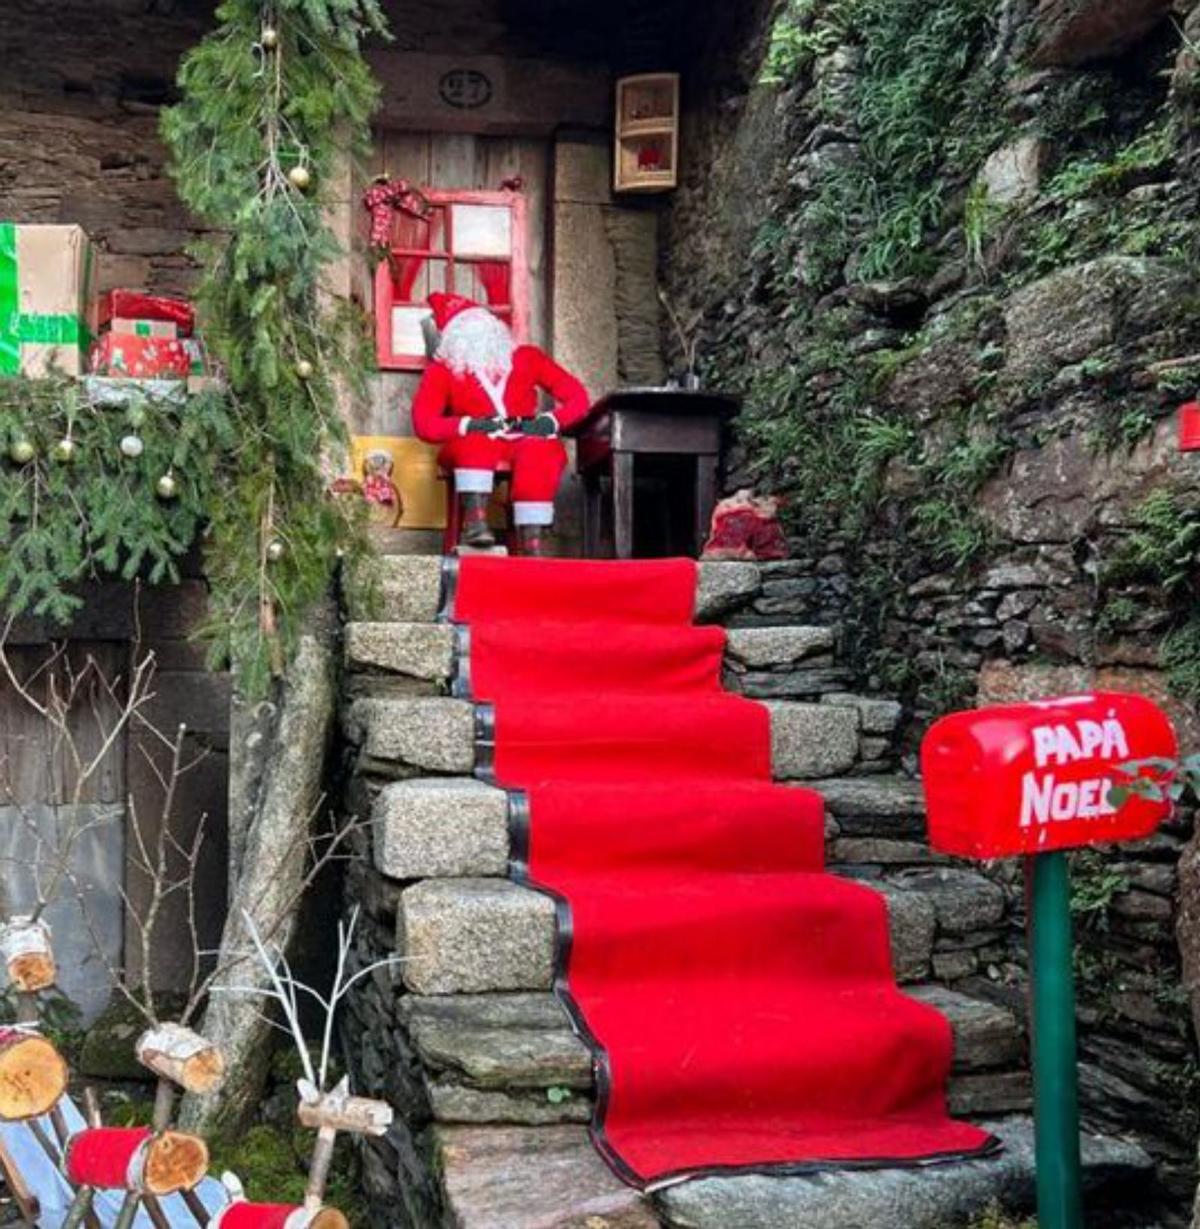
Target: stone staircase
(493, 1088)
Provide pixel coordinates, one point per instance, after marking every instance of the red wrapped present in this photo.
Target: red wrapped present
(126, 354)
(134, 305)
(144, 328)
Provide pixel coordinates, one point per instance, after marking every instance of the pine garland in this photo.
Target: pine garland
(89, 509)
(273, 101)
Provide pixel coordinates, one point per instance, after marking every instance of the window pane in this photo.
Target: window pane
(408, 331)
(482, 231)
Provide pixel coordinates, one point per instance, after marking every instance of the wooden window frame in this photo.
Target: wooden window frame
(516, 314)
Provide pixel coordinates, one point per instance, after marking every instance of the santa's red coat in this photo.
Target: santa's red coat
(445, 397)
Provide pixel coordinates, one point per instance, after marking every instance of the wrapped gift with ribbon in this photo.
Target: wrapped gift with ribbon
(47, 316)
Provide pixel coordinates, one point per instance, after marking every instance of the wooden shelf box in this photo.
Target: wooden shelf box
(647, 133)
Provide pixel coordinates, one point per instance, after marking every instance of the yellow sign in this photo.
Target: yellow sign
(409, 468)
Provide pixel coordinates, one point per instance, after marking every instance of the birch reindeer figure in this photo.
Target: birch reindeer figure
(164, 858)
(324, 1110)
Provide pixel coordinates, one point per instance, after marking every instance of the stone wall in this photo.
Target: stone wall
(79, 101)
(971, 403)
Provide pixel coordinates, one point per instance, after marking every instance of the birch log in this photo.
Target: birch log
(134, 1159)
(277, 761)
(358, 1115)
(33, 1075)
(28, 955)
(177, 1054)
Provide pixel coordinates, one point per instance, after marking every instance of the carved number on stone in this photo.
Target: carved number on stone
(466, 88)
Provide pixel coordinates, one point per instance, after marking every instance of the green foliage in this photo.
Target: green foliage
(273, 1166)
(1095, 883)
(797, 38)
(995, 1217)
(923, 117)
(1180, 656)
(248, 117)
(1163, 547)
(100, 512)
(1150, 151)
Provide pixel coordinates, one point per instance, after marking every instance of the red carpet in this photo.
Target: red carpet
(740, 1000)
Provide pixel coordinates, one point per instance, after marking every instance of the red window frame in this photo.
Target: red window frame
(389, 295)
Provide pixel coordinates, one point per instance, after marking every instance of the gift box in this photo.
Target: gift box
(126, 354)
(134, 305)
(47, 319)
(145, 328)
(117, 392)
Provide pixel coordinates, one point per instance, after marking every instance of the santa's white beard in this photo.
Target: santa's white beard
(478, 343)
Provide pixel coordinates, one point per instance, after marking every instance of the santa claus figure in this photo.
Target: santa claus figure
(480, 399)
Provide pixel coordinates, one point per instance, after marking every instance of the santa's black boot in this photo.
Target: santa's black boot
(476, 533)
(535, 541)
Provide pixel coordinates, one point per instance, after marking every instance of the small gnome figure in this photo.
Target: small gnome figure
(479, 399)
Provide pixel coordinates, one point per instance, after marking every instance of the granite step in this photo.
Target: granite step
(514, 1058)
(421, 658)
(412, 735)
(553, 1178)
(408, 588)
(931, 1197)
(479, 935)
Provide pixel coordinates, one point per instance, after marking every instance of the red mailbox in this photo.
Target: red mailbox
(1031, 778)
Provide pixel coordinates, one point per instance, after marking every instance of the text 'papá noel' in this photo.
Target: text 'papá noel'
(1030, 778)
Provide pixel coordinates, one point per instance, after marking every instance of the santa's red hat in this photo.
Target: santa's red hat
(447, 306)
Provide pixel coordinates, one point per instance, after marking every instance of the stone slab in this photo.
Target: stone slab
(922, 1198)
(759, 647)
(913, 924)
(525, 1041)
(812, 740)
(406, 589)
(434, 734)
(460, 936)
(882, 796)
(965, 901)
(878, 716)
(441, 827)
(416, 650)
(437, 734)
(725, 587)
(458, 1103)
(986, 1035)
(499, 1041)
(535, 1178)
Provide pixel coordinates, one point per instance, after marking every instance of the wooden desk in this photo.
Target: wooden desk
(649, 422)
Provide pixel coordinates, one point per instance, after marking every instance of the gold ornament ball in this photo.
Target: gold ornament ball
(64, 450)
(299, 177)
(21, 451)
(304, 369)
(275, 550)
(166, 486)
(269, 38)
